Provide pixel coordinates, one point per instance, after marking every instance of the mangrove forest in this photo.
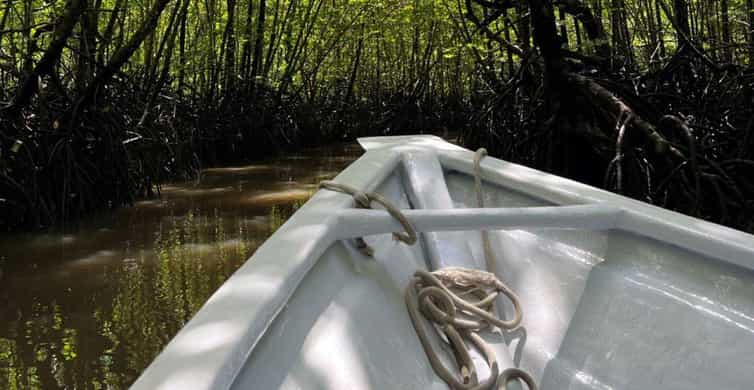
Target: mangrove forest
(148, 147)
(104, 100)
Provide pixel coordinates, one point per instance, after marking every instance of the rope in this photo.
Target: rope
(438, 297)
(478, 156)
(441, 298)
(364, 200)
(489, 255)
(458, 301)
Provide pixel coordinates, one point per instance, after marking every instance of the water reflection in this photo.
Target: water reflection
(92, 308)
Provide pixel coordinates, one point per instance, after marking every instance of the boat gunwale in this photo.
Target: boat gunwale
(244, 318)
(693, 234)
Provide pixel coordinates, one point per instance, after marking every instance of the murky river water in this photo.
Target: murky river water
(90, 309)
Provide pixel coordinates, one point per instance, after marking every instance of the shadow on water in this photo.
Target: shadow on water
(91, 308)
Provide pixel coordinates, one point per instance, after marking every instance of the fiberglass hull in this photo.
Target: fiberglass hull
(616, 294)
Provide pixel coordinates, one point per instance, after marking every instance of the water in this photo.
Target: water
(91, 308)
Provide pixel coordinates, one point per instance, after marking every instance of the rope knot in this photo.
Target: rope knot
(362, 199)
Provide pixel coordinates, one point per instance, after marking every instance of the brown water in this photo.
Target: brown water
(90, 309)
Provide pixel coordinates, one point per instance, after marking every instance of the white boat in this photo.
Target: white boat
(615, 293)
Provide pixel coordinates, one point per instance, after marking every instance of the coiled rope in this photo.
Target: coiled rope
(439, 297)
(458, 301)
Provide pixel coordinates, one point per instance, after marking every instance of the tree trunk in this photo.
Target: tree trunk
(524, 23)
(660, 32)
(170, 35)
(507, 36)
(212, 53)
(546, 38)
(259, 41)
(4, 19)
(577, 32)
(230, 49)
(726, 49)
(621, 36)
(107, 35)
(681, 19)
(182, 49)
(274, 37)
(355, 68)
(29, 52)
(563, 30)
(87, 45)
(245, 69)
(592, 25)
(750, 9)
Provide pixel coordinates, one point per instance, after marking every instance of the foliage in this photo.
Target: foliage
(105, 99)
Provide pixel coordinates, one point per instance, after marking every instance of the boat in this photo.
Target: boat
(610, 293)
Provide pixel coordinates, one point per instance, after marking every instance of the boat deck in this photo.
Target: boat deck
(602, 310)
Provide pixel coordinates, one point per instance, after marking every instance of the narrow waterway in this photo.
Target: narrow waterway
(90, 308)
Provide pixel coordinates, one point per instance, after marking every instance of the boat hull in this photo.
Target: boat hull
(616, 294)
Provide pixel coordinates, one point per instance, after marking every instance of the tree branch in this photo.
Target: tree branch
(617, 108)
(29, 87)
(483, 26)
(122, 55)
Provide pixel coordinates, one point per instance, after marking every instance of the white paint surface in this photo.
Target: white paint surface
(629, 296)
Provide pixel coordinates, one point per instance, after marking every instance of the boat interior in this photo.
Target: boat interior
(605, 306)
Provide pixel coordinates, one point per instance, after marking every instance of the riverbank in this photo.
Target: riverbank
(57, 177)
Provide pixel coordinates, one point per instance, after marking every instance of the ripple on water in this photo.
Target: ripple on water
(92, 308)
